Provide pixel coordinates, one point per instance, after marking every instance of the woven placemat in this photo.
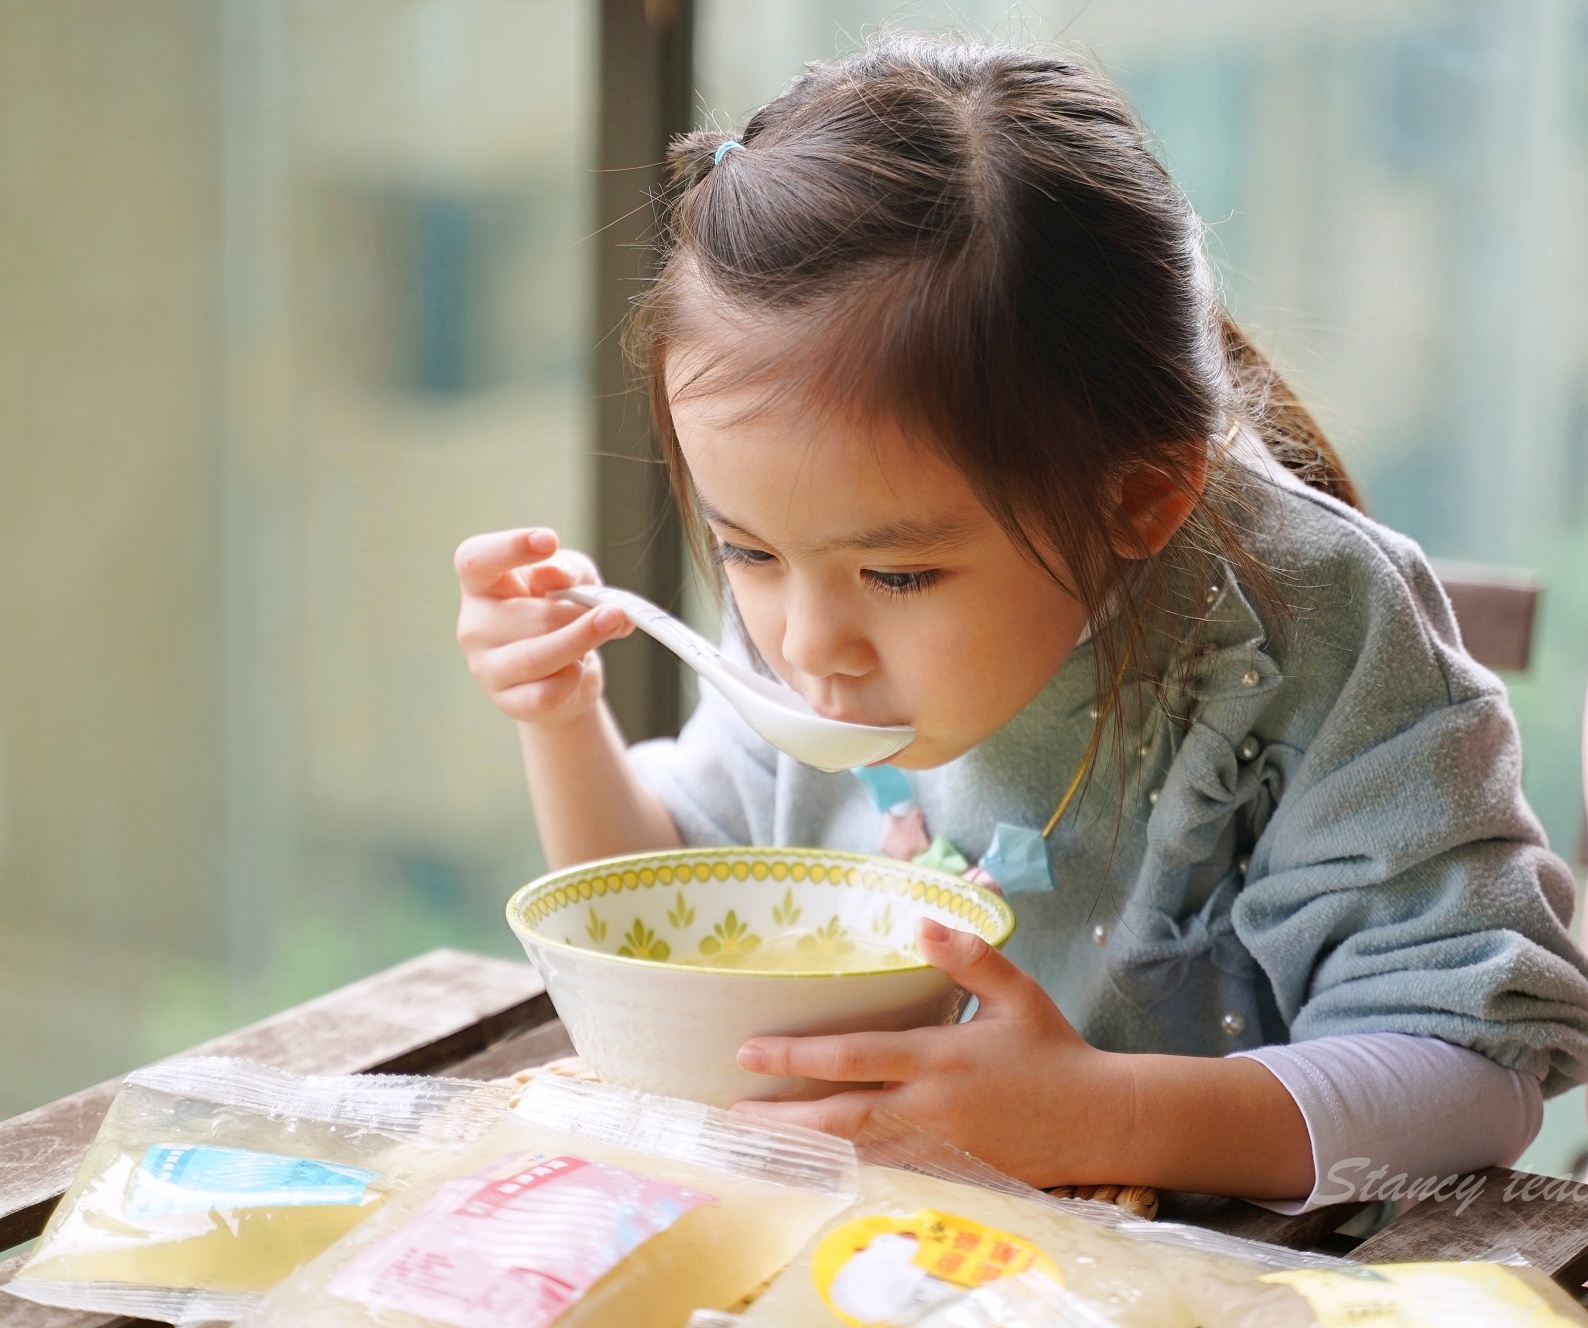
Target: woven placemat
(566, 1067)
(1137, 1200)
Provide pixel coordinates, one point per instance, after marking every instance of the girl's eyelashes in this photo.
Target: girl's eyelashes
(734, 555)
(889, 583)
(903, 583)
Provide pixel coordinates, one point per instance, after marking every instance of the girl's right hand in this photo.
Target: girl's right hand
(535, 657)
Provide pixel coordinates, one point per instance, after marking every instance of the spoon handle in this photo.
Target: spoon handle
(688, 644)
(778, 713)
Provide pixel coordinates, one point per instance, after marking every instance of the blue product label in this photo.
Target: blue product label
(190, 1178)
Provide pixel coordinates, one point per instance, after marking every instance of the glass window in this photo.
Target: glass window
(296, 299)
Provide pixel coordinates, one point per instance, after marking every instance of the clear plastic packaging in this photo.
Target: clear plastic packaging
(931, 1224)
(1482, 1294)
(588, 1205)
(1026, 1300)
(211, 1179)
(937, 1239)
(1022, 1300)
(1449, 1294)
(1408, 1295)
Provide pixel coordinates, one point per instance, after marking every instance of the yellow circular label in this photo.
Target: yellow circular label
(885, 1270)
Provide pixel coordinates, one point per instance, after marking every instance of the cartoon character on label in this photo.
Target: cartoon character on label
(882, 1283)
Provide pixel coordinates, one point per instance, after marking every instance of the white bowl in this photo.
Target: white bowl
(608, 938)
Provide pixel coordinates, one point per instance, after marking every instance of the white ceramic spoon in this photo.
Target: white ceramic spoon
(778, 713)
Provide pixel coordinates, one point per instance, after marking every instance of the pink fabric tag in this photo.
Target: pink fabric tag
(513, 1252)
(905, 836)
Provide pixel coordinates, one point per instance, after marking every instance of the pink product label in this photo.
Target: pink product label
(517, 1251)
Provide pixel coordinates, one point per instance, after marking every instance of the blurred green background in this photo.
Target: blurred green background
(297, 296)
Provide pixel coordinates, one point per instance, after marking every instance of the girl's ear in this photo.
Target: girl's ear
(1153, 499)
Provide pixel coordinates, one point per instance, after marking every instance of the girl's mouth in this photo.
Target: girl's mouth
(845, 715)
(821, 698)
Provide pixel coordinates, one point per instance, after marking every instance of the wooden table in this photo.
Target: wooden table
(467, 1016)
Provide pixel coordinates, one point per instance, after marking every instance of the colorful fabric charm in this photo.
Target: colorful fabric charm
(1015, 862)
(886, 784)
(1017, 859)
(940, 855)
(904, 834)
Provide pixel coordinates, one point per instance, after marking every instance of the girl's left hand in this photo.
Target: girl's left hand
(1017, 1086)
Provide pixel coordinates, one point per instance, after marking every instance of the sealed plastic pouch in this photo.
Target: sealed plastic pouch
(931, 1225)
(937, 1239)
(212, 1179)
(1444, 1294)
(1021, 1300)
(588, 1205)
(1025, 1300)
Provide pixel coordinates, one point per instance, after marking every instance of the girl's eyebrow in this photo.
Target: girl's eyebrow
(909, 533)
(718, 519)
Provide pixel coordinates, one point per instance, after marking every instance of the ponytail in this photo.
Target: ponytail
(1286, 426)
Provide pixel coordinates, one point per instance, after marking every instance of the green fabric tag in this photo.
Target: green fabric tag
(942, 856)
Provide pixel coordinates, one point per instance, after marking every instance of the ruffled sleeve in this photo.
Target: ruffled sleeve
(1397, 880)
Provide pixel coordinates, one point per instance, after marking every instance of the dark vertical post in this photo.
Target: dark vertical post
(646, 91)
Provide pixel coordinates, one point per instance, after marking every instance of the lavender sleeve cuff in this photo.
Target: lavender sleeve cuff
(1390, 1115)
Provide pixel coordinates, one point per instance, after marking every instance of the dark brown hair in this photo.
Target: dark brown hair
(976, 242)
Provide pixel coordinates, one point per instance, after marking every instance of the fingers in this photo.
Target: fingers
(483, 561)
(543, 698)
(486, 622)
(843, 1114)
(568, 568)
(975, 965)
(849, 1058)
(532, 654)
(541, 657)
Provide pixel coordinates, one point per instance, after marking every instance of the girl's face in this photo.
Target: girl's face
(867, 574)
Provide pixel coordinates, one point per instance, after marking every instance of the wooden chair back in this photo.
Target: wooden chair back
(1494, 607)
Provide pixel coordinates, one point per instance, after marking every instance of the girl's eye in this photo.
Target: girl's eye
(733, 555)
(902, 583)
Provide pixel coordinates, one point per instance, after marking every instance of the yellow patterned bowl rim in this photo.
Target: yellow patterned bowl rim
(526, 895)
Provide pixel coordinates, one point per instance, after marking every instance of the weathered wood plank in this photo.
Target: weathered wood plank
(1235, 1217)
(1544, 1218)
(547, 1042)
(418, 1017)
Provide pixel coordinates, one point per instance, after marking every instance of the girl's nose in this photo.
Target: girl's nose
(819, 637)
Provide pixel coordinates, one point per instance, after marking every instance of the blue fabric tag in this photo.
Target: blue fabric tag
(886, 784)
(1017, 859)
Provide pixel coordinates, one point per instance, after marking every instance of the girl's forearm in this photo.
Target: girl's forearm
(588, 801)
(1212, 1126)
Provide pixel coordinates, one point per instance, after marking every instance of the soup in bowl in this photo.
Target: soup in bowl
(662, 965)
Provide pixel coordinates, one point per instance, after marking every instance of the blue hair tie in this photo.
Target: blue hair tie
(725, 149)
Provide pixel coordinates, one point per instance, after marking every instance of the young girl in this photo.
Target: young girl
(945, 388)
